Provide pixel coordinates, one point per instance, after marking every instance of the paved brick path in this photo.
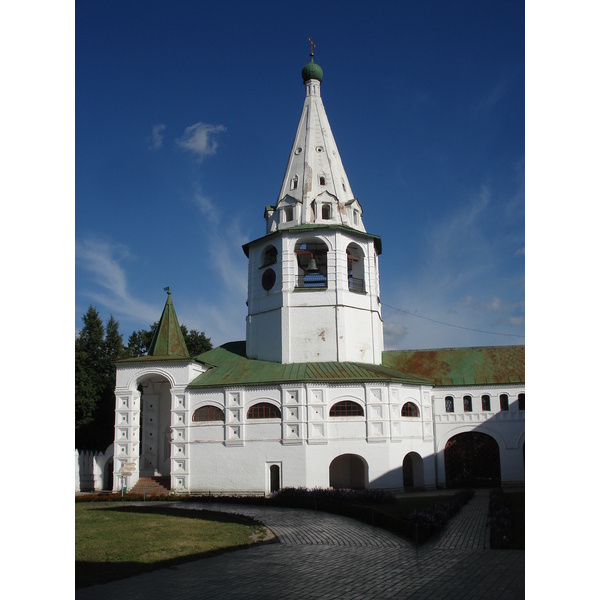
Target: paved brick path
(309, 527)
(467, 530)
(333, 558)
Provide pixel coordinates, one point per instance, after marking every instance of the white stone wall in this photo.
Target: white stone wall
(91, 470)
(162, 451)
(507, 428)
(234, 456)
(292, 324)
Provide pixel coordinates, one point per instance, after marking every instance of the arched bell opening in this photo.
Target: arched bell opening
(311, 257)
(268, 256)
(356, 268)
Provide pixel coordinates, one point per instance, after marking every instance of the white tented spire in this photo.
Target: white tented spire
(315, 188)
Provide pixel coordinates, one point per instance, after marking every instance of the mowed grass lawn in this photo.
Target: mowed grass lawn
(117, 541)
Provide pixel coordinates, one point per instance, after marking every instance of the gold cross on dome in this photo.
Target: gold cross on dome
(312, 47)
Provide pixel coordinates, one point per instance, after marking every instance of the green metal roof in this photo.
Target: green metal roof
(168, 342)
(462, 366)
(168, 339)
(143, 359)
(230, 367)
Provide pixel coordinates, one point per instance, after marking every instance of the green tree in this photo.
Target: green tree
(88, 368)
(139, 341)
(196, 342)
(104, 417)
(96, 348)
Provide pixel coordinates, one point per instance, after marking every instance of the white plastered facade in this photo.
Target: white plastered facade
(289, 321)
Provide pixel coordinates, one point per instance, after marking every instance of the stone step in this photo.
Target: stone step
(152, 485)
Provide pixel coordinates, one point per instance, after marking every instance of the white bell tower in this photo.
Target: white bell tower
(313, 279)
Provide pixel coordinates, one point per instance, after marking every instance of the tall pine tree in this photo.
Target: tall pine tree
(95, 350)
(89, 362)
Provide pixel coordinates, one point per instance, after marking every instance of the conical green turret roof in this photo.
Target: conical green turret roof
(168, 339)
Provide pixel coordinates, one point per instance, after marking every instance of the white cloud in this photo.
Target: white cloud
(156, 139)
(101, 261)
(219, 309)
(206, 206)
(393, 333)
(494, 305)
(460, 284)
(199, 139)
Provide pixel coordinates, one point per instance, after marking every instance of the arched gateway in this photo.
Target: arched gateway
(348, 471)
(412, 471)
(472, 460)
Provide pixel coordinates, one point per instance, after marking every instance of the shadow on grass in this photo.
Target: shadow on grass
(93, 573)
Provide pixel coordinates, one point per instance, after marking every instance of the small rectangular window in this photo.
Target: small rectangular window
(503, 401)
(485, 403)
(326, 211)
(449, 404)
(467, 404)
(521, 401)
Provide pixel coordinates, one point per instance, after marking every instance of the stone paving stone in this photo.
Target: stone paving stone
(326, 557)
(296, 526)
(468, 529)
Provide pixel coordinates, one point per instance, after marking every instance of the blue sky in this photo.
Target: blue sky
(185, 113)
(426, 104)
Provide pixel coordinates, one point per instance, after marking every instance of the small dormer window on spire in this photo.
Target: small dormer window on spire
(321, 179)
(294, 183)
(326, 211)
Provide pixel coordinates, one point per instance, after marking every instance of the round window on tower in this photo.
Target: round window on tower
(268, 279)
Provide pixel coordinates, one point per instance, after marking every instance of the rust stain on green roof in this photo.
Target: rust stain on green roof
(462, 366)
(230, 367)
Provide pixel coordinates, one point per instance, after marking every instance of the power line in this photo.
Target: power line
(450, 324)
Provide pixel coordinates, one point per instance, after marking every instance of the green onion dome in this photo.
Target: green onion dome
(312, 71)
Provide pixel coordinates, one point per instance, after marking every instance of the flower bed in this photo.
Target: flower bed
(318, 497)
(431, 520)
(128, 497)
